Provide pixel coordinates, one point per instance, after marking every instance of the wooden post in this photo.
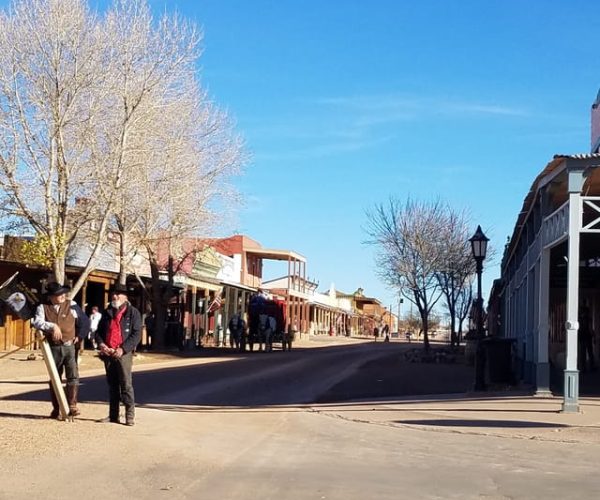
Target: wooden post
(55, 381)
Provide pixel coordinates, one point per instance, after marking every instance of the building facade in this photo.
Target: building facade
(550, 273)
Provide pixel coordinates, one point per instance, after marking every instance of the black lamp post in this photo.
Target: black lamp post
(479, 243)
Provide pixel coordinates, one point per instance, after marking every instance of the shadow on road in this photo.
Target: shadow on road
(278, 380)
(522, 424)
(269, 379)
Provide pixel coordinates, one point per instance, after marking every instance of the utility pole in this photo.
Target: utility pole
(400, 301)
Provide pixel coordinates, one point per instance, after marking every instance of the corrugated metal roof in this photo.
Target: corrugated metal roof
(581, 156)
(552, 166)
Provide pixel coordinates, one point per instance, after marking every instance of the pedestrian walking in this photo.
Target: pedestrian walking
(64, 325)
(94, 321)
(150, 323)
(237, 325)
(119, 333)
(385, 332)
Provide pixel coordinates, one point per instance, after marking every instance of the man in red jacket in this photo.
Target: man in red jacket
(119, 332)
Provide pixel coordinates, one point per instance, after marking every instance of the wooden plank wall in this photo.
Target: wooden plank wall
(16, 333)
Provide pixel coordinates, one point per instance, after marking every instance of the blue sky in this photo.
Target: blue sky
(344, 103)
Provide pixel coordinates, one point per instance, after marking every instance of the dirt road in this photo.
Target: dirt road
(248, 428)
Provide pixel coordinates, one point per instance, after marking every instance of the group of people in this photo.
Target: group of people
(116, 333)
(385, 332)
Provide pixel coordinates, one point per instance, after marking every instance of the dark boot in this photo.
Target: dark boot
(109, 419)
(130, 415)
(114, 405)
(72, 391)
(55, 413)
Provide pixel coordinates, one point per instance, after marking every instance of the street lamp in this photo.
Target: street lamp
(479, 243)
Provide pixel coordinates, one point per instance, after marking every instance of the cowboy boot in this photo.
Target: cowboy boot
(129, 415)
(72, 391)
(55, 413)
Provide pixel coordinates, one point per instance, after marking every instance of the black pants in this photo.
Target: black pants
(65, 360)
(120, 384)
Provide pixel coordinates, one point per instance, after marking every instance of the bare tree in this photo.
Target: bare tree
(414, 324)
(456, 265)
(177, 149)
(406, 237)
(103, 122)
(51, 89)
(464, 302)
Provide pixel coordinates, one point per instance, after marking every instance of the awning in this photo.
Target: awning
(270, 254)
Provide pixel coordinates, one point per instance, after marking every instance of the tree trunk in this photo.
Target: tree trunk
(459, 333)
(425, 323)
(122, 259)
(59, 270)
(453, 334)
(160, 301)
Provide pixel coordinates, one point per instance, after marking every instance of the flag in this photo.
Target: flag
(216, 303)
(17, 297)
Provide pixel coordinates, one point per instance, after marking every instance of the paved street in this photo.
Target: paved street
(248, 427)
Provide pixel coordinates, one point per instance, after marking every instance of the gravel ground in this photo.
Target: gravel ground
(26, 430)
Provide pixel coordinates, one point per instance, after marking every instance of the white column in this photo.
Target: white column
(571, 375)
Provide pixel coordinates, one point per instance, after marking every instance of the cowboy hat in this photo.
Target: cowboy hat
(54, 288)
(118, 288)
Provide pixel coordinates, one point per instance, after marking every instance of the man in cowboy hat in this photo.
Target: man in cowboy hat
(65, 325)
(118, 334)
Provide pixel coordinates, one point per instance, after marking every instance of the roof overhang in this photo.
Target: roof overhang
(197, 282)
(239, 286)
(271, 254)
(559, 165)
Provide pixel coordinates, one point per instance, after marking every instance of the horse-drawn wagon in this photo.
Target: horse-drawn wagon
(267, 324)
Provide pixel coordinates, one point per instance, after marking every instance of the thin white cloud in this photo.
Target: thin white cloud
(345, 124)
(407, 107)
(324, 150)
(482, 109)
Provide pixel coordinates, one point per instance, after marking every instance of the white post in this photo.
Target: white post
(571, 374)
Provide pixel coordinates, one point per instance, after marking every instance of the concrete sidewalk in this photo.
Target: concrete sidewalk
(509, 415)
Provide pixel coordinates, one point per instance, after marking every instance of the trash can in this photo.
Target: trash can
(498, 357)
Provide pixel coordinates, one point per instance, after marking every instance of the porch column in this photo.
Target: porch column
(226, 315)
(186, 316)
(242, 299)
(306, 318)
(320, 320)
(84, 307)
(571, 374)
(542, 376)
(193, 327)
